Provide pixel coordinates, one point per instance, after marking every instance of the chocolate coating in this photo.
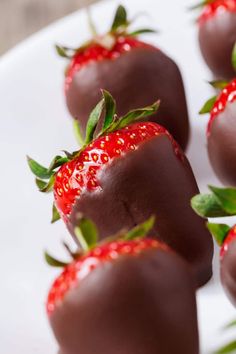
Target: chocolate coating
(134, 305)
(217, 37)
(151, 180)
(222, 145)
(136, 79)
(228, 272)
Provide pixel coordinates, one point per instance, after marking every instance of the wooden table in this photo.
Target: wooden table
(20, 18)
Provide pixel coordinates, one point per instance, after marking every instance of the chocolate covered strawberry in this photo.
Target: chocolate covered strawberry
(127, 295)
(217, 35)
(125, 172)
(221, 131)
(133, 71)
(222, 202)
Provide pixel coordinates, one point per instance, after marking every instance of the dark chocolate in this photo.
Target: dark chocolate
(222, 145)
(151, 180)
(134, 305)
(228, 272)
(136, 79)
(217, 37)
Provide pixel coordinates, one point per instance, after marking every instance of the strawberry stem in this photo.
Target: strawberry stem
(219, 232)
(91, 23)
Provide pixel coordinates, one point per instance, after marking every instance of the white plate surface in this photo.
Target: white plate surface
(34, 121)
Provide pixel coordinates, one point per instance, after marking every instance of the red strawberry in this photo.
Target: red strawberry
(133, 71)
(123, 175)
(226, 238)
(96, 52)
(226, 96)
(231, 236)
(222, 202)
(75, 272)
(221, 132)
(125, 296)
(217, 35)
(82, 172)
(213, 8)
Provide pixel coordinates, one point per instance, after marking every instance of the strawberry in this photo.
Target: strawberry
(213, 8)
(119, 293)
(131, 70)
(221, 131)
(222, 202)
(218, 21)
(124, 172)
(226, 238)
(231, 236)
(95, 256)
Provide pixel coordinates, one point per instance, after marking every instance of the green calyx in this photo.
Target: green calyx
(87, 233)
(87, 237)
(220, 203)
(208, 106)
(218, 85)
(219, 232)
(104, 113)
(200, 4)
(230, 347)
(120, 27)
(111, 122)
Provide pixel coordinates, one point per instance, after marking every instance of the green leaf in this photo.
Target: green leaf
(134, 116)
(93, 121)
(231, 325)
(53, 262)
(219, 84)
(38, 170)
(207, 206)
(57, 162)
(87, 234)
(78, 132)
(55, 214)
(229, 348)
(208, 105)
(46, 187)
(142, 31)
(110, 109)
(120, 19)
(73, 255)
(200, 5)
(234, 57)
(226, 197)
(219, 231)
(141, 230)
(63, 52)
(91, 24)
(69, 155)
(40, 184)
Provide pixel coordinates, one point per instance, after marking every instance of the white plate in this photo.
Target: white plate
(34, 121)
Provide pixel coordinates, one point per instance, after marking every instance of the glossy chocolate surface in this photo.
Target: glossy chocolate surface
(222, 145)
(135, 305)
(217, 37)
(151, 180)
(136, 79)
(228, 272)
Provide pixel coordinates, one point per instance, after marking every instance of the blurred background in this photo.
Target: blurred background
(21, 18)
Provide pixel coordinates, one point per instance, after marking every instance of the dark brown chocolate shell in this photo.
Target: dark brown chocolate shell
(217, 37)
(152, 180)
(222, 145)
(136, 79)
(228, 272)
(134, 305)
